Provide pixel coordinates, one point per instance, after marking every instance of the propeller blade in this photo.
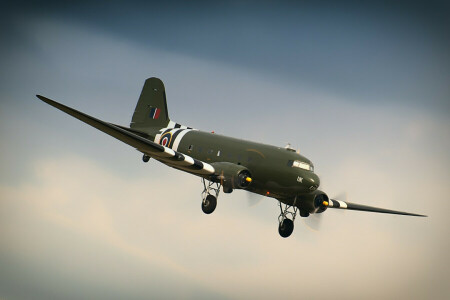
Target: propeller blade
(253, 199)
(313, 222)
(353, 206)
(341, 196)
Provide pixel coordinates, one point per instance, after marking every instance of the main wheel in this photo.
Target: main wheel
(209, 205)
(286, 227)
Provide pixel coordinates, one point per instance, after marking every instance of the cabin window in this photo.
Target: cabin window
(218, 153)
(191, 147)
(210, 151)
(301, 164)
(199, 149)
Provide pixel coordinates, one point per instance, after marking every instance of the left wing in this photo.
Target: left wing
(136, 140)
(353, 206)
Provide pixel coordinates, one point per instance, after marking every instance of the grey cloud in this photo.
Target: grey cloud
(102, 219)
(368, 53)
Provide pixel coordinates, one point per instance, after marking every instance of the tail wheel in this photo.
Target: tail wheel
(286, 227)
(209, 204)
(145, 158)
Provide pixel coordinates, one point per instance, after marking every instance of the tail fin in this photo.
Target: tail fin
(151, 109)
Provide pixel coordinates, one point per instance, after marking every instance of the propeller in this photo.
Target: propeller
(314, 221)
(253, 199)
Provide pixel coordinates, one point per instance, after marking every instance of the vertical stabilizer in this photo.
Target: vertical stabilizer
(151, 109)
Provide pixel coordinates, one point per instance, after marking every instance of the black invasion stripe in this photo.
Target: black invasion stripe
(197, 164)
(168, 129)
(174, 136)
(177, 125)
(336, 204)
(189, 128)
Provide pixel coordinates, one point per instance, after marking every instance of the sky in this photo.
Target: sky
(361, 90)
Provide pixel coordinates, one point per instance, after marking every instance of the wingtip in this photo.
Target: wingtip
(45, 99)
(417, 215)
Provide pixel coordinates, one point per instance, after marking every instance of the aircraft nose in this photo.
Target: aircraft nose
(314, 180)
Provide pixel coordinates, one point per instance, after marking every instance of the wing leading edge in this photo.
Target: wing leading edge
(159, 152)
(353, 206)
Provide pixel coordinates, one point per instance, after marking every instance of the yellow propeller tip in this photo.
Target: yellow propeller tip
(248, 179)
(325, 203)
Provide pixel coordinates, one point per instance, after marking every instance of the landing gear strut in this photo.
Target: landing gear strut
(286, 219)
(209, 201)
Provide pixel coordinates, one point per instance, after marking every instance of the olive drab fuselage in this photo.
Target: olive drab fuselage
(271, 167)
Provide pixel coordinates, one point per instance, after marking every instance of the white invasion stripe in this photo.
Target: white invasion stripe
(171, 124)
(183, 127)
(207, 167)
(169, 151)
(330, 203)
(177, 141)
(342, 204)
(157, 138)
(189, 160)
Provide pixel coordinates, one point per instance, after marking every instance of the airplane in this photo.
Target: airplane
(223, 162)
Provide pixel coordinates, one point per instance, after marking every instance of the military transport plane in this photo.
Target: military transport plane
(277, 172)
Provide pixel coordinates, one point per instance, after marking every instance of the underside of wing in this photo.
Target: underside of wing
(137, 140)
(353, 206)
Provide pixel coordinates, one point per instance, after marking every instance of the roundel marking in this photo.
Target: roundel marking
(165, 139)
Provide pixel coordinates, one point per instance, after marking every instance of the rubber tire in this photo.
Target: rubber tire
(145, 158)
(286, 228)
(209, 205)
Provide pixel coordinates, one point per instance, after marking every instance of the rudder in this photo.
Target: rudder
(151, 109)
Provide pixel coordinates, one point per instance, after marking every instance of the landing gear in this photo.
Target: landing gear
(209, 201)
(286, 219)
(209, 204)
(145, 158)
(286, 227)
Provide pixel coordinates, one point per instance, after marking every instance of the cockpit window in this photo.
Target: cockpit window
(301, 165)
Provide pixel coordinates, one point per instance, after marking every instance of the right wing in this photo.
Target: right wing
(353, 206)
(159, 152)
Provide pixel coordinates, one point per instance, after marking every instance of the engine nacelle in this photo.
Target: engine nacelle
(231, 176)
(312, 203)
